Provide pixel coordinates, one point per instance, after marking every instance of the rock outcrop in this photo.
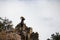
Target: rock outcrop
(25, 32)
(20, 32)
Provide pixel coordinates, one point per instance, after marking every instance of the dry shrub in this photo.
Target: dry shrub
(9, 36)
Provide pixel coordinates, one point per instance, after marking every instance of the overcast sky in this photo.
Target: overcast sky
(42, 15)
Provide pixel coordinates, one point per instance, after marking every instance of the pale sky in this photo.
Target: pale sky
(42, 15)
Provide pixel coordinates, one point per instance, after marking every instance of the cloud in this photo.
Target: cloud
(53, 0)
